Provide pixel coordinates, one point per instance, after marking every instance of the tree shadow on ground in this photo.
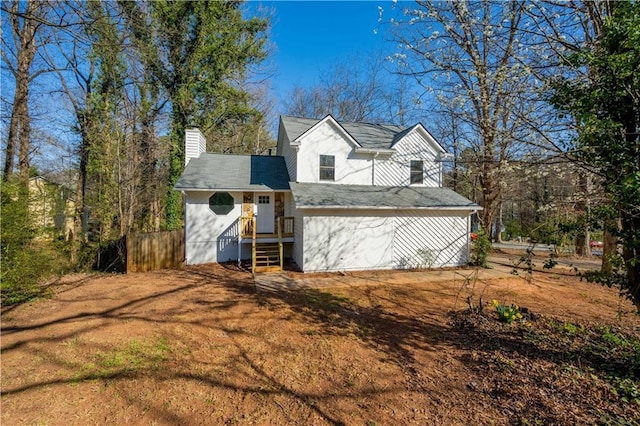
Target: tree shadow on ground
(401, 336)
(398, 337)
(77, 324)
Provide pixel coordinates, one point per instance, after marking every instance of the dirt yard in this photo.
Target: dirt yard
(205, 346)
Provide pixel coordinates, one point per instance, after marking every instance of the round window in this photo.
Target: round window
(221, 203)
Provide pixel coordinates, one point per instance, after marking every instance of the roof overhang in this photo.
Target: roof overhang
(313, 196)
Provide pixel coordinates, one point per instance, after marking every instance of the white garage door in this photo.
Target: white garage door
(342, 243)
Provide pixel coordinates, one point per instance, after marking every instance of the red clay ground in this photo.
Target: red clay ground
(203, 346)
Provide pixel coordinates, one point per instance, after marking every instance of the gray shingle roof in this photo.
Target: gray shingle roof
(296, 126)
(313, 195)
(234, 172)
(375, 136)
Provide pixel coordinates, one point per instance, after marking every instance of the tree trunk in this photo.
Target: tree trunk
(583, 207)
(631, 255)
(581, 245)
(25, 135)
(499, 225)
(80, 219)
(176, 165)
(10, 151)
(20, 126)
(610, 244)
(489, 197)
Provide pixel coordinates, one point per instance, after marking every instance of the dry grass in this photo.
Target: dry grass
(202, 346)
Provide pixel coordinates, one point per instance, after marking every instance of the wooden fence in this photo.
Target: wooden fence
(155, 250)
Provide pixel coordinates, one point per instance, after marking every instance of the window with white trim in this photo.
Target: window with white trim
(417, 172)
(327, 167)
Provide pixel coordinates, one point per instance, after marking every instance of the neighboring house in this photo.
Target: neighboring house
(336, 197)
(51, 208)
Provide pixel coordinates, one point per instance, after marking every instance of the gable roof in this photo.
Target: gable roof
(314, 195)
(234, 173)
(367, 135)
(327, 119)
(425, 133)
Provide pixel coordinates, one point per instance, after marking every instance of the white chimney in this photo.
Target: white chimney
(194, 144)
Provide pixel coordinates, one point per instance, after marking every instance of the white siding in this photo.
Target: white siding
(430, 239)
(341, 241)
(350, 168)
(194, 144)
(210, 237)
(395, 170)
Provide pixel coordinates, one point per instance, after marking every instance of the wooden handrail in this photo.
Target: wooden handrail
(248, 229)
(280, 245)
(253, 245)
(247, 226)
(287, 225)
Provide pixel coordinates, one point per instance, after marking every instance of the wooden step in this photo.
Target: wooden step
(267, 257)
(267, 268)
(270, 251)
(267, 246)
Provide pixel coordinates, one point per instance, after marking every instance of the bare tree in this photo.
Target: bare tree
(362, 89)
(469, 56)
(18, 53)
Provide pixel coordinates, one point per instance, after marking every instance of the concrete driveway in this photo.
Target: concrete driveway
(287, 280)
(500, 266)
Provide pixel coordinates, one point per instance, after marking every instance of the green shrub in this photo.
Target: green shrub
(480, 250)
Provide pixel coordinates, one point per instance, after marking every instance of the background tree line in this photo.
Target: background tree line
(537, 100)
(102, 94)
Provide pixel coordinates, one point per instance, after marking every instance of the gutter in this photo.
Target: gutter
(231, 190)
(375, 151)
(471, 209)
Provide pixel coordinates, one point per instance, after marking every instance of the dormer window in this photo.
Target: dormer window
(417, 172)
(327, 167)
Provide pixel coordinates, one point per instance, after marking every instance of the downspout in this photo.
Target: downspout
(469, 234)
(184, 209)
(240, 240)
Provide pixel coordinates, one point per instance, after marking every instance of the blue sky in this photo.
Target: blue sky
(309, 36)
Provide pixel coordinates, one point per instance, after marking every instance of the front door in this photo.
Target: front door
(265, 215)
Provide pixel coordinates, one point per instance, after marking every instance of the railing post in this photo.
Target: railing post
(253, 245)
(280, 245)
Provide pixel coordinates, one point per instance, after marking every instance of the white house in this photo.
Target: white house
(336, 197)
